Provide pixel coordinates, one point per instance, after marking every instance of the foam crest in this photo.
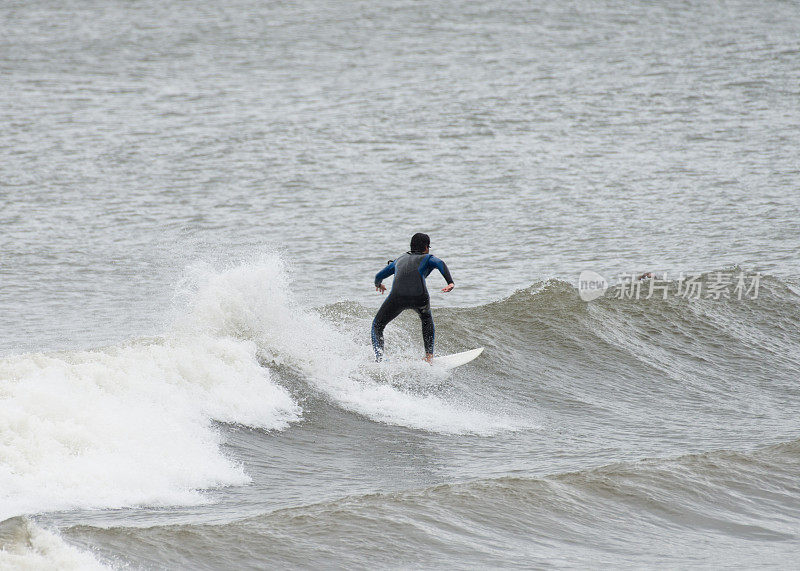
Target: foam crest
(128, 425)
(24, 545)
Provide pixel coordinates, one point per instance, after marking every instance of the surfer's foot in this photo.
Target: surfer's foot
(429, 357)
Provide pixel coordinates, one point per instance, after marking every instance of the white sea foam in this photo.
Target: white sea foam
(128, 425)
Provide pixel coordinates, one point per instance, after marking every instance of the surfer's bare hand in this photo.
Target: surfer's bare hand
(449, 287)
(381, 288)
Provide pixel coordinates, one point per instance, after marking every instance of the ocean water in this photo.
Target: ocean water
(195, 197)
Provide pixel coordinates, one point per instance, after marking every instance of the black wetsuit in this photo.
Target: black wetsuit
(408, 292)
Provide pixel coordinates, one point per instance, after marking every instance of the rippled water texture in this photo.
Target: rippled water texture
(195, 197)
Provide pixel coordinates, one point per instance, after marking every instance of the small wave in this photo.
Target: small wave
(547, 347)
(631, 513)
(547, 326)
(24, 545)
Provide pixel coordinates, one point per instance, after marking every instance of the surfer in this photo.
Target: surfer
(409, 291)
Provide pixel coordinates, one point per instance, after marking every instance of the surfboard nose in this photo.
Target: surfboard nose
(457, 359)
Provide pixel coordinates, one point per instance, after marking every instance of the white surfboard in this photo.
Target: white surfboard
(457, 359)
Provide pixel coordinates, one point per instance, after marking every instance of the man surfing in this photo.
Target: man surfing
(409, 291)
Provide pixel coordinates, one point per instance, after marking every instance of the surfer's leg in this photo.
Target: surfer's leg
(426, 317)
(388, 311)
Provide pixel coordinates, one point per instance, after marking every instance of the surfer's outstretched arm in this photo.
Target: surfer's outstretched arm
(434, 262)
(382, 275)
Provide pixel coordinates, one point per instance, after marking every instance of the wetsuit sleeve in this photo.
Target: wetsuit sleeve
(442, 267)
(384, 273)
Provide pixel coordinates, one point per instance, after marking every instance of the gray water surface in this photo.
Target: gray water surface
(146, 143)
